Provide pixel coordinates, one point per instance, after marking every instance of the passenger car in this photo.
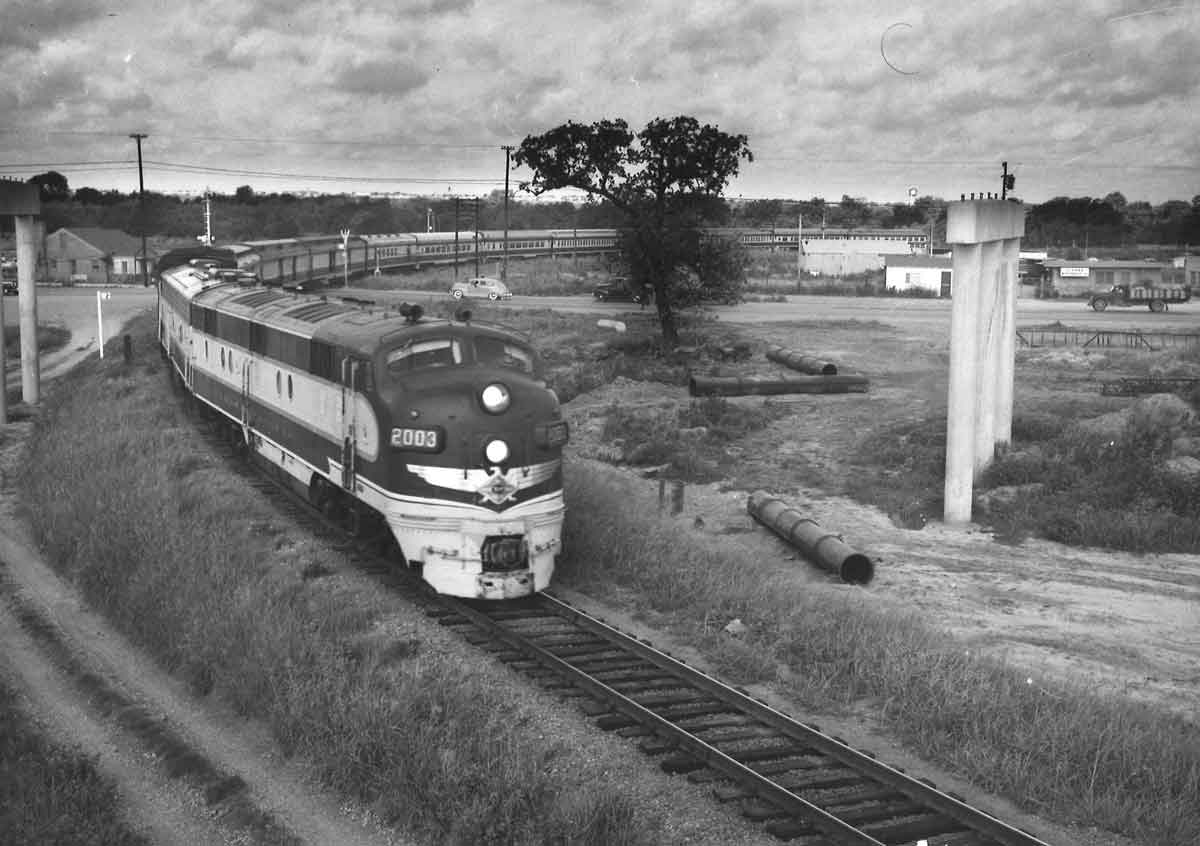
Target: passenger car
(480, 286)
(617, 288)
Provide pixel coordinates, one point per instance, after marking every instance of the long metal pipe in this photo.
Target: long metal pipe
(799, 361)
(787, 383)
(826, 550)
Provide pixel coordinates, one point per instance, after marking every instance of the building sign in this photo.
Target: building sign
(1074, 271)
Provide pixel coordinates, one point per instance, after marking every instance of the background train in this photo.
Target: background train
(436, 433)
(299, 260)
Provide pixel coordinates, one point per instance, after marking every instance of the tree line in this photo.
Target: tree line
(1111, 221)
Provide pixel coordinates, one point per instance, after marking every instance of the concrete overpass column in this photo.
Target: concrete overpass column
(985, 237)
(27, 292)
(22, 201)
(964, 365)
(1006, 355)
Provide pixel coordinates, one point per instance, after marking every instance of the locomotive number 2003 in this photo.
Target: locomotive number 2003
(422, 440)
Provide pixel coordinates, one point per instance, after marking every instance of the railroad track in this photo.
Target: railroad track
(803, 785)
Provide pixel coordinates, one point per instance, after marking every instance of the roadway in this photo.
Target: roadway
(903, 312)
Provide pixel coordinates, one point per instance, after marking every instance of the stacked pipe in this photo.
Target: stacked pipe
(826, 550)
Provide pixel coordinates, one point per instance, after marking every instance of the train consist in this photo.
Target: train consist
(436, 433)
(295, 261)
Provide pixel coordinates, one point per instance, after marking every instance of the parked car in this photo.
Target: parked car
(617, 288)
(10, 288)
(480, 286)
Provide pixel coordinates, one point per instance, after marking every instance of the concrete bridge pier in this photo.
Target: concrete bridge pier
(985, 236)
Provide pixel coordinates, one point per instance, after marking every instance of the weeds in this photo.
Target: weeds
(693, 441)
(1055, 748)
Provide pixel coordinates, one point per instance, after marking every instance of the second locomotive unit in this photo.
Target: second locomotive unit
(438, 431)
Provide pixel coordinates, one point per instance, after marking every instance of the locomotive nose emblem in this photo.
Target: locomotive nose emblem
(497, 488)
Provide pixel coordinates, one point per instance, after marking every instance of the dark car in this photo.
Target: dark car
(10, 288)
(617, 288)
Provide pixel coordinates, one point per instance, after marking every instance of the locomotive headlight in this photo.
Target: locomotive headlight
(496, 398)
(496, 451)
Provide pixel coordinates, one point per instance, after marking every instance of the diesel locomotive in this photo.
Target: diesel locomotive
(436, 434)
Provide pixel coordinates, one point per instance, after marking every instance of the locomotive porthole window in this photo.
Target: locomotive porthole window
(289, 386)
(222, 356)
(278, 382)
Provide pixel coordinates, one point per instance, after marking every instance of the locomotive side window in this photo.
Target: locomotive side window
(436, 352)
(500, 353)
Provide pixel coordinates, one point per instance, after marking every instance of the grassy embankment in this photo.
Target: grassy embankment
(51, 794)
(1056, 750)
(192, 565)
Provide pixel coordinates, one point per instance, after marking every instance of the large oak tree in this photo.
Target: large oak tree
(664, 179)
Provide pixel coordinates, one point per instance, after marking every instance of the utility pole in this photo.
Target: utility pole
(456, 239)
(138, 136)
(1007, 181)
(507, 159)
(476, 228)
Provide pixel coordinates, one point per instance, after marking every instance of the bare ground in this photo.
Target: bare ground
(1121, 623)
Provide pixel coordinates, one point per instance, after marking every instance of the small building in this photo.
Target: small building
(88, 254)
(918, 273)
(1079, 278)
(840, 252)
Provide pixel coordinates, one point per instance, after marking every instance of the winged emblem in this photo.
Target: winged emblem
(491, 485)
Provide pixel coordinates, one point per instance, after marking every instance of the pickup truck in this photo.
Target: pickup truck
(1157, 299)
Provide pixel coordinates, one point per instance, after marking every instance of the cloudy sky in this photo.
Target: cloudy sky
(860, 97)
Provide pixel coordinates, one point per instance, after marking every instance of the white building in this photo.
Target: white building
(920, 272)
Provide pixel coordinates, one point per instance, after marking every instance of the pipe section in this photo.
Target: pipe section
(822, 548)
(787, 383)
(799, 361)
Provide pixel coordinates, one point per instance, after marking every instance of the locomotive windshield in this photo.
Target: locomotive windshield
(497, 352)
(447, 352)
(434, 352)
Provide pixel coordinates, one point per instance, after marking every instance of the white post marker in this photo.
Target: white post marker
(100, 295)
(346, 248)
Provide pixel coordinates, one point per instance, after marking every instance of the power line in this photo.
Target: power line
(209, 169)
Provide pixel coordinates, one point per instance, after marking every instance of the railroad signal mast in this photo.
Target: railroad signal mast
(1007, 181)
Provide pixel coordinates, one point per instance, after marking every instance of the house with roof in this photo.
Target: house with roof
(92, 255)
(918, 273)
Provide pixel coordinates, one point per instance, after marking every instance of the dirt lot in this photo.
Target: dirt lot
(1118, 622)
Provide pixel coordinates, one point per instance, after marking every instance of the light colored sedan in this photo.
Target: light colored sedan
(480, 286)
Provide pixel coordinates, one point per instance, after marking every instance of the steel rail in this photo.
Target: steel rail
(710, 755)
(845, 754)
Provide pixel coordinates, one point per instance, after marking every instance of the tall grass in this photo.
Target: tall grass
(194, 567)
(1055, 749)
